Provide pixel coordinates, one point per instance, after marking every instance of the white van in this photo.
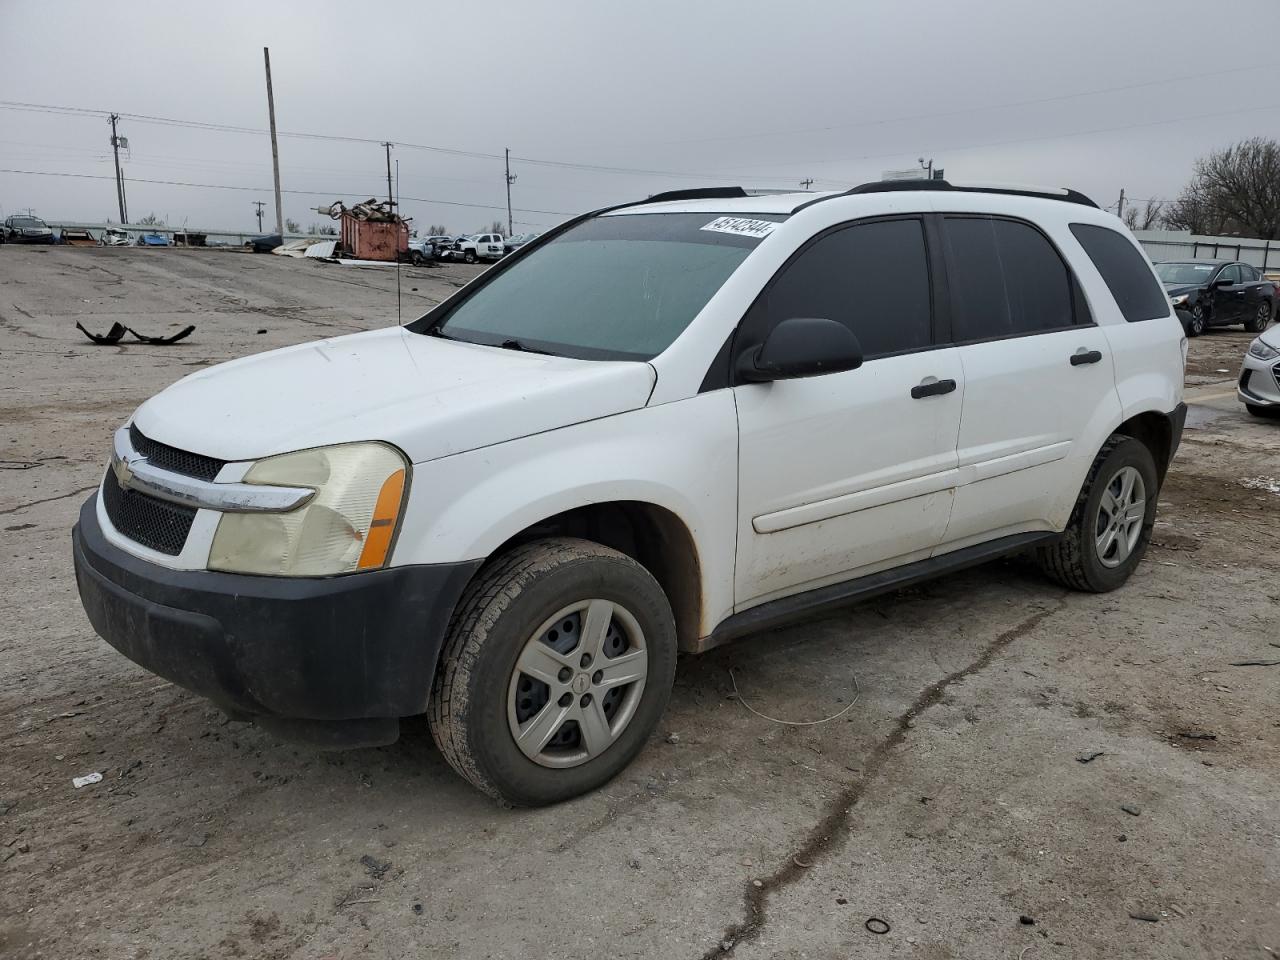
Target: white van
(655, 428)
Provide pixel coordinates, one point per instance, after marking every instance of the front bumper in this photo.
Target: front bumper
(296, 653)
(1259, 383)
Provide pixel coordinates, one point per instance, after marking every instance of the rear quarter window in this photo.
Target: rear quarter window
(1125, 271)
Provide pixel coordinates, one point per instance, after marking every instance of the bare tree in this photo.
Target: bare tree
(497, 226)
(1148, 218)
(291, 226)
(323, 230)
(1235, 191)
(438, 230)
(151, 220)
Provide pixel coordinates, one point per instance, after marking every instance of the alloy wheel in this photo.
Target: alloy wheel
(1121, 514)
(577, 683)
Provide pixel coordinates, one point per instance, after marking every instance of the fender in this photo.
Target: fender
(680, 456)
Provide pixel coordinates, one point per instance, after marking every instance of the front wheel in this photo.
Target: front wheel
(1260, 320)
(558, 664)
(1111, 523)
(1195, 324)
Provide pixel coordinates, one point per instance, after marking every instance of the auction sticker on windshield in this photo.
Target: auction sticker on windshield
(741, 226)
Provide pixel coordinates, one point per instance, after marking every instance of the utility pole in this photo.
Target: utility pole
(258, 204)
(928, 167)
(1120, 205)
(511, 227)
(391, 198)
(115, 148)
(275, 149)
(807, 182)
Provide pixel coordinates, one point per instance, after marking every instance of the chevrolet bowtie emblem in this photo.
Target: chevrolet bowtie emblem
(123, 469)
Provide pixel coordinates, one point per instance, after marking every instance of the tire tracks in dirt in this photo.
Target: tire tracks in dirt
(829, 834)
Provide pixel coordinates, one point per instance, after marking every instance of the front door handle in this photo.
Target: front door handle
(934, 388)
(1085, 356)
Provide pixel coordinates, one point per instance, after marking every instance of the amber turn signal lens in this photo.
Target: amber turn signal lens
(386, 511)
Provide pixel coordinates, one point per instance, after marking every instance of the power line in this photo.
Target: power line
(306, 193)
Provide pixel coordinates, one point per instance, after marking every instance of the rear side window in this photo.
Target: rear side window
(1006, 279)
(872, 277)
(1125, 271)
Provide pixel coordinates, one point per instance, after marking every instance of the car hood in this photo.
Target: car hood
(428, 396)
(1177, 289)
(1271, 336)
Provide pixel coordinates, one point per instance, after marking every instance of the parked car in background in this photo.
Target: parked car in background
(482, 246)
(518, 241)
(421, 250)
(115, 237)
(636, 440)
(154, 240)
(1259, 384)
(1216, 293)
(265, 243)
(25, 229)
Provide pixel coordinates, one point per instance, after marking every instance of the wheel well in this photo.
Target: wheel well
(1154, 430)
(652, 536)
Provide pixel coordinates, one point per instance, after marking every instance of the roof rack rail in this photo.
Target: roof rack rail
(695, 193)
(1045, 193)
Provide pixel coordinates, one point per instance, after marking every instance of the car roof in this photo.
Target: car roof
(1200, 260)
(760, 203)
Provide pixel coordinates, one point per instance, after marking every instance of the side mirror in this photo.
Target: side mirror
(801, 347)
(1223, 282)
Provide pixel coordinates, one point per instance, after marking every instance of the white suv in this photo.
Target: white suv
(656, 428)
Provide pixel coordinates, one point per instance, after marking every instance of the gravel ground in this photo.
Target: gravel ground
(950, 801)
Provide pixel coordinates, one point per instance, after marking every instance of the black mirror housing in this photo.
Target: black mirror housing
(1222, 282)
(801, 347)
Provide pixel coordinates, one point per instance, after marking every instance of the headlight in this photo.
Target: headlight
(1179, 300)
(1263, 351)
(348, 525)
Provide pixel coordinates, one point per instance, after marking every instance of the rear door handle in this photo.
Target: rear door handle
(934, 388)
(1085, 356)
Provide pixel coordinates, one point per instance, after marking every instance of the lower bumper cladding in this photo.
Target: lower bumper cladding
(333, 661)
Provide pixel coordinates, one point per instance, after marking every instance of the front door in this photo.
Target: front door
(849, 472)
(1228, 300)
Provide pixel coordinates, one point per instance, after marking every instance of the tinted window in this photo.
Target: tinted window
(872, 277)
(1125, 271)
(1006, 280)
(1247, 273)
(612, 287)
(1231, 273)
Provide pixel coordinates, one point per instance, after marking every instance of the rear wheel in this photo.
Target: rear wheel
(1111, 524)
(469, 256)
(1260, 320)
(558, 664)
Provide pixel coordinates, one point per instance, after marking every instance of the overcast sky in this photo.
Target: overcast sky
(1093, 94)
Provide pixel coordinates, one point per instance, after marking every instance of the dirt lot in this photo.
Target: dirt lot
(951, 800)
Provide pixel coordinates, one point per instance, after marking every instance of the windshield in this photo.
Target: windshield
(613, 287)
(1185, 272)
(27, 222)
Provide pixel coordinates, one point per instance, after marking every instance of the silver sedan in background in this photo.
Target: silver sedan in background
(1259, 388)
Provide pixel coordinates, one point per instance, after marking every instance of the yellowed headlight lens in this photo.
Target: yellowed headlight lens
(348, 525)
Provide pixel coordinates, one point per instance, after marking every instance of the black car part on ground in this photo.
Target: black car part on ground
(118, 330)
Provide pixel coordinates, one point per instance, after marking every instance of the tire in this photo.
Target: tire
(469, 256)
(1075, 560)
(513, 610)
(417, 259)
(1266, 413)
(1195, 321)
(1260, 320)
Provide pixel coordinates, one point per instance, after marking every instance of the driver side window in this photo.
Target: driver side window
(872, 277)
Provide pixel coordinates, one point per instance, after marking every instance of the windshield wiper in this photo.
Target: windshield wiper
(522, 348)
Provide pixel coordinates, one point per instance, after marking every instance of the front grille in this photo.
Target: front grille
(153, 523)
(173, 459)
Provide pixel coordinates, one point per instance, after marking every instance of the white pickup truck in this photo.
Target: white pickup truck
(481, 246)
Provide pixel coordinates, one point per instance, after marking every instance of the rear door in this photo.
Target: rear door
(849, 472)
(1037, 373)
